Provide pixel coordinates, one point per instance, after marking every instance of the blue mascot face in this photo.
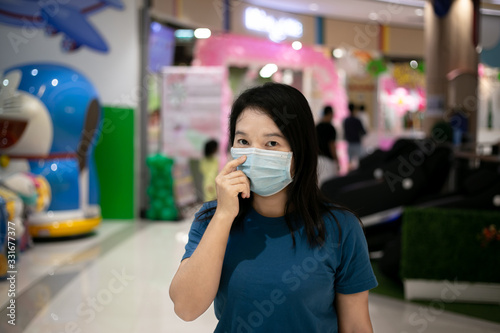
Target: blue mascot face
(25, 123)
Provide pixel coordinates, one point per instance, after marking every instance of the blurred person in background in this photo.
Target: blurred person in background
(353, 133)
(327, 136)
(209, 168)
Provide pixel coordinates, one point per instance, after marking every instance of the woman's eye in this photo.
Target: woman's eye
(242, 141)
(272, 144)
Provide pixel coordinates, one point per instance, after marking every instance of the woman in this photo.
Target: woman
(272, 253)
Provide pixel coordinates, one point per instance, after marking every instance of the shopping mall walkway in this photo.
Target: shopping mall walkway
(118, 280)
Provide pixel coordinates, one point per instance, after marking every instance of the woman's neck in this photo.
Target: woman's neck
(272, 206)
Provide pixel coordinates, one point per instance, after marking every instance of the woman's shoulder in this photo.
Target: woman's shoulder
(341, 217)
(206, 212)
(209, 205)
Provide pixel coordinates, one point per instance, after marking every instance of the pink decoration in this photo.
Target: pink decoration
(386, 143)
(480, 70)
(388, 84)
(224, 121)
(234, 50)
(402, 99)
(422, 104)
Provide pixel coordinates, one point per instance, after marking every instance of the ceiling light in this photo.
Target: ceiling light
(184, 33)
(314, 7)
(268, 70)
(491, 12)
(297, 45)
(413, 64)
(373, 16)
(155, 26)
(419, 12)
(202, 33)
(338, 53)
(412, 3)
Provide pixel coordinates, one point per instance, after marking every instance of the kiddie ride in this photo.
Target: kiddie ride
(416, 173)
(49, 120)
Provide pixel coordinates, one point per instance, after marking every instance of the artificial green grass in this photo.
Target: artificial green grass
(390, 288)
(449, 244)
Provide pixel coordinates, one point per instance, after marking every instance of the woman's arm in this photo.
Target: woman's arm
(196, 282)
(352, 313)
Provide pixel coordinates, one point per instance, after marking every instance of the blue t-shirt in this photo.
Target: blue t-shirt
(267, 285)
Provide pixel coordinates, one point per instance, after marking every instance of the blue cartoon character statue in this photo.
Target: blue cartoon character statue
(49, 123)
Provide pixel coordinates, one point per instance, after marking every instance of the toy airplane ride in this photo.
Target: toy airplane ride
(68, 17)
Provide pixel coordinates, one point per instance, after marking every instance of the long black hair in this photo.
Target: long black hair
(290, 111)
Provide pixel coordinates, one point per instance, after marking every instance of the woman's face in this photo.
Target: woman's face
(255, 129)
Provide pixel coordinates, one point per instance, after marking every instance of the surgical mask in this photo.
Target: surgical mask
(268, 170)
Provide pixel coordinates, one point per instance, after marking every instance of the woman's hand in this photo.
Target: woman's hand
(229, 183)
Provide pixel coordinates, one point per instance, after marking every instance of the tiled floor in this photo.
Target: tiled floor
(118, 280)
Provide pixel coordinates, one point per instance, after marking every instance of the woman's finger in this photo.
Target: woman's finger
(232, 165)
(235, 174)
(237, 180)
(243, 189)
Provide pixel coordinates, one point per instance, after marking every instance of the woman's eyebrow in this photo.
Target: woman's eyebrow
(266, 135)
(274, 134)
